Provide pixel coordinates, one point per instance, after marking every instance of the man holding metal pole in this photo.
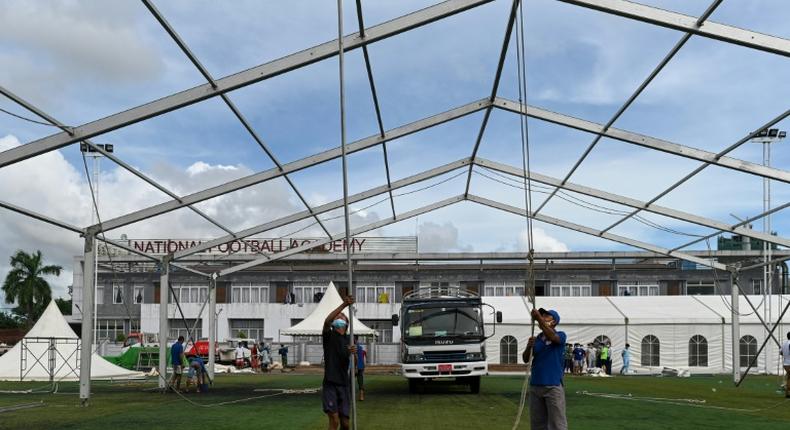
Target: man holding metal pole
(546, 391)
(336, 388)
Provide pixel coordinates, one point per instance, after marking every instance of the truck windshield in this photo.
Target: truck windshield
(443, 321)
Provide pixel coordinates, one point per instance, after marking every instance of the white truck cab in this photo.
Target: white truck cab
(443, 337)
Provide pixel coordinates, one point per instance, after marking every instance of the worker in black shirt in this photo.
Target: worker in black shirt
(336, 390)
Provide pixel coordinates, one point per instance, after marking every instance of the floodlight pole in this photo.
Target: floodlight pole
(88, 273)
(735, 326)
(164, 283)
(341, 79)
(766, 137)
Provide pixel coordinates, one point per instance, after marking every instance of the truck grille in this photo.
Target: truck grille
(441, 356)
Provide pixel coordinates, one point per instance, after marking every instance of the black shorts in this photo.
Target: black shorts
(361, 379)
(335, 399)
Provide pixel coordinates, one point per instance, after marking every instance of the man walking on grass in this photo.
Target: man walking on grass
(336, 388)
(546, 392)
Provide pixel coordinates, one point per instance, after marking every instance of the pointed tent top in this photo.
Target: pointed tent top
(313, 325)
(52, 324)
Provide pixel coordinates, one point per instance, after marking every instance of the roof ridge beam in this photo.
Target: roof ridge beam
(368, 227)
(238, 80)
(686, 23)
(593, 232)
(634, 203)
(33, 109)
(294, 166)
(327, 207)
(644, 140)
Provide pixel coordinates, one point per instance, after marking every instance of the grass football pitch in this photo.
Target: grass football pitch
(705, 402)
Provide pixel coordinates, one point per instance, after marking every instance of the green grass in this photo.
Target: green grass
(389, 406)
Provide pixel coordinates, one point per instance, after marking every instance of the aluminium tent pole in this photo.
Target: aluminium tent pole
(212, 324)
(87, 309)
(164, 294)
(345, 202)
(736, 329)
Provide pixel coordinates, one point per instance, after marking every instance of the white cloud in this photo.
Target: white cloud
(49, 184)
(47, 47)
(542, 241)
(435, 237)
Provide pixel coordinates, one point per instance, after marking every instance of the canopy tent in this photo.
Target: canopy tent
(222, 86)
(29, 359)
(313, 325)
(681, 325)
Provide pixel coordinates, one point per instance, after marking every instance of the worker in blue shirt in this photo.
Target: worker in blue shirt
(546, 392)
(177, 360)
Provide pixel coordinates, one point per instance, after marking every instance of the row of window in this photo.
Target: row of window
(383, 292)
(110, 329)
(697, 350)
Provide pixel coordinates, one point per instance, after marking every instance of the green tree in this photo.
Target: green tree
(26, 286)
(9, 320)
(64, 306)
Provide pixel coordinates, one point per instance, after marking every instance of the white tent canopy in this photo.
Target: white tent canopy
(676, 322)
(52, 326)
(313, 325)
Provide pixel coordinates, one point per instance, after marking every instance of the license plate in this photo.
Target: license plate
(445, 368)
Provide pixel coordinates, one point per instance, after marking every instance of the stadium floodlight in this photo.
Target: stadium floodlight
(91, 149)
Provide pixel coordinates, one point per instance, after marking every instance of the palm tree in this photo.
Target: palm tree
(25, 285)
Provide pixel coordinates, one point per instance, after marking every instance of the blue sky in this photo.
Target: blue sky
(98, 58)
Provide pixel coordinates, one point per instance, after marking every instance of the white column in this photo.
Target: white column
(164, 294)
(87, 318)
(736, 330)
(212, 323)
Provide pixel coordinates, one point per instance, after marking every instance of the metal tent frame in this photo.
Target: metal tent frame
(221, 87)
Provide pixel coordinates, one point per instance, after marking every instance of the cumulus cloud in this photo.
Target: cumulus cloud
(46, 47)
(542, 240)
(433, 237)
(50, 185)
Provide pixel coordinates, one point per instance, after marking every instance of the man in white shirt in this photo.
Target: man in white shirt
(786, 363)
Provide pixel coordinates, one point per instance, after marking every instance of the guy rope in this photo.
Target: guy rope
(524, 131)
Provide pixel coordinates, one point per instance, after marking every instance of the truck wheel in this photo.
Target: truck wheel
(414, 385)
(474, 384)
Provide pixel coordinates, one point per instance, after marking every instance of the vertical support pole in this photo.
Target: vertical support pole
(212, 324)
(164, 330)
(88, 270)
(345, 203)
(51, 357)
(736, 329)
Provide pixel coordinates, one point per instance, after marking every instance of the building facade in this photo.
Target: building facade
(261, 301)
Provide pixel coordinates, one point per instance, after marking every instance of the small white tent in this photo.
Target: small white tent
(313, 325)
(52, 328)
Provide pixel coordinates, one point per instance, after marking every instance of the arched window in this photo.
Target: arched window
(748, 350)
(602, 340)
(650, 351)
(508, 350)
(698, 351)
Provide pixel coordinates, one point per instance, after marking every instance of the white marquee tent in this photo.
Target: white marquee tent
(313, 325)
(672, 320)
(52, 326)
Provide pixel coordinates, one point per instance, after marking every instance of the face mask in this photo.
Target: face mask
(338, 323)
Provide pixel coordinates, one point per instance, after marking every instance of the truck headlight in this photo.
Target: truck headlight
(474, 356)
(415, 357)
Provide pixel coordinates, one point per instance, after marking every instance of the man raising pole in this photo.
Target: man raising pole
(336, 389)
(546, 391)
